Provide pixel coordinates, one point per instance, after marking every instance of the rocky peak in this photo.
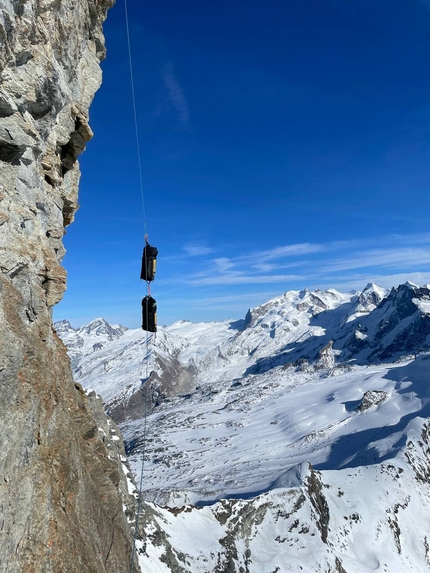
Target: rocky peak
(400, 299)
(100, 327)
(398, 325)
(366, 301)
(304, 301)
(372, 294)
(63, 327)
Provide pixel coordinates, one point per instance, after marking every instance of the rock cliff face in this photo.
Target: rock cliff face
(61, 486)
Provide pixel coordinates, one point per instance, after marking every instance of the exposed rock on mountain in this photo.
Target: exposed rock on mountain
(368, 327)
(100, 327)
(366, 301)
(61, 508)
(399, 325)
(372, 399)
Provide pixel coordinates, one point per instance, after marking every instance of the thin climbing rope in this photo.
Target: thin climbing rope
(139, 161)
(139, 503)
(136, 125)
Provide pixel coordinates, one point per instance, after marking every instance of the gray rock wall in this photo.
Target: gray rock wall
(61, 498)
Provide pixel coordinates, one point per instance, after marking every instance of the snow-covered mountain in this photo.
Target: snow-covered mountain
(89, 338)
(295, 440)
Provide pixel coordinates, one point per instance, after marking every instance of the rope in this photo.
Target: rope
(139, 503)
(136, 126)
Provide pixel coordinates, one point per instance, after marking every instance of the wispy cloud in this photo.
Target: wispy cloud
(225, 301)
(281, 252)
(175, 93)
(263, 267)
(324, 263)
(196, 249)
(382, 258)
(236, 278)
(223, 265)
(254, 267)
(290, 250)
(358, 281)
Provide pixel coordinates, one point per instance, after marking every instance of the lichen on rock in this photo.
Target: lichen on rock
(61, 498)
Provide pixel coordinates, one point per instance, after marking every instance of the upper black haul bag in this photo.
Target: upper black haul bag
(149, 314)
(149, 263)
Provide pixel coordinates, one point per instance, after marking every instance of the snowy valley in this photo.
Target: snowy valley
(296, 439)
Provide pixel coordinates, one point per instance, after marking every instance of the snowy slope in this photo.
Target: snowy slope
(357, 520)
(241, 438)
(363, 506)
(298, 437)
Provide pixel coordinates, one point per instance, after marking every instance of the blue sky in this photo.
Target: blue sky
(284, 145)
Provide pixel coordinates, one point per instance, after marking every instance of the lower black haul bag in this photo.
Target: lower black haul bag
(149, 314)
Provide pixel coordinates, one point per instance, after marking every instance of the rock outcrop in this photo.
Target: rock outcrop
(61, 498)
(399, 325)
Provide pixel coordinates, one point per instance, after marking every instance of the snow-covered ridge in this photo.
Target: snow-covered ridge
(89, 338)
(320, 327)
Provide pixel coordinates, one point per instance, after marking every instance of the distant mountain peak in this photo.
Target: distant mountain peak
(63, 327)
(371, 286)
(65, 323)
(371, 294)
(100, 327)
(96, 323)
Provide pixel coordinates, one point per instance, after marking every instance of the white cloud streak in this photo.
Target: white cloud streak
(323, 263)
(176, 94)
(290, 250)
(359, 281)
(196, 249)
(223, 264)
(236, 278)
(387, 258)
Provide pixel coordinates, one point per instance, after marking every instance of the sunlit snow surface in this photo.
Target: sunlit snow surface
(240, 438)
(252, 426)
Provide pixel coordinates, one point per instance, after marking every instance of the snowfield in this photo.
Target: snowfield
(295, 440)
(243, 438)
